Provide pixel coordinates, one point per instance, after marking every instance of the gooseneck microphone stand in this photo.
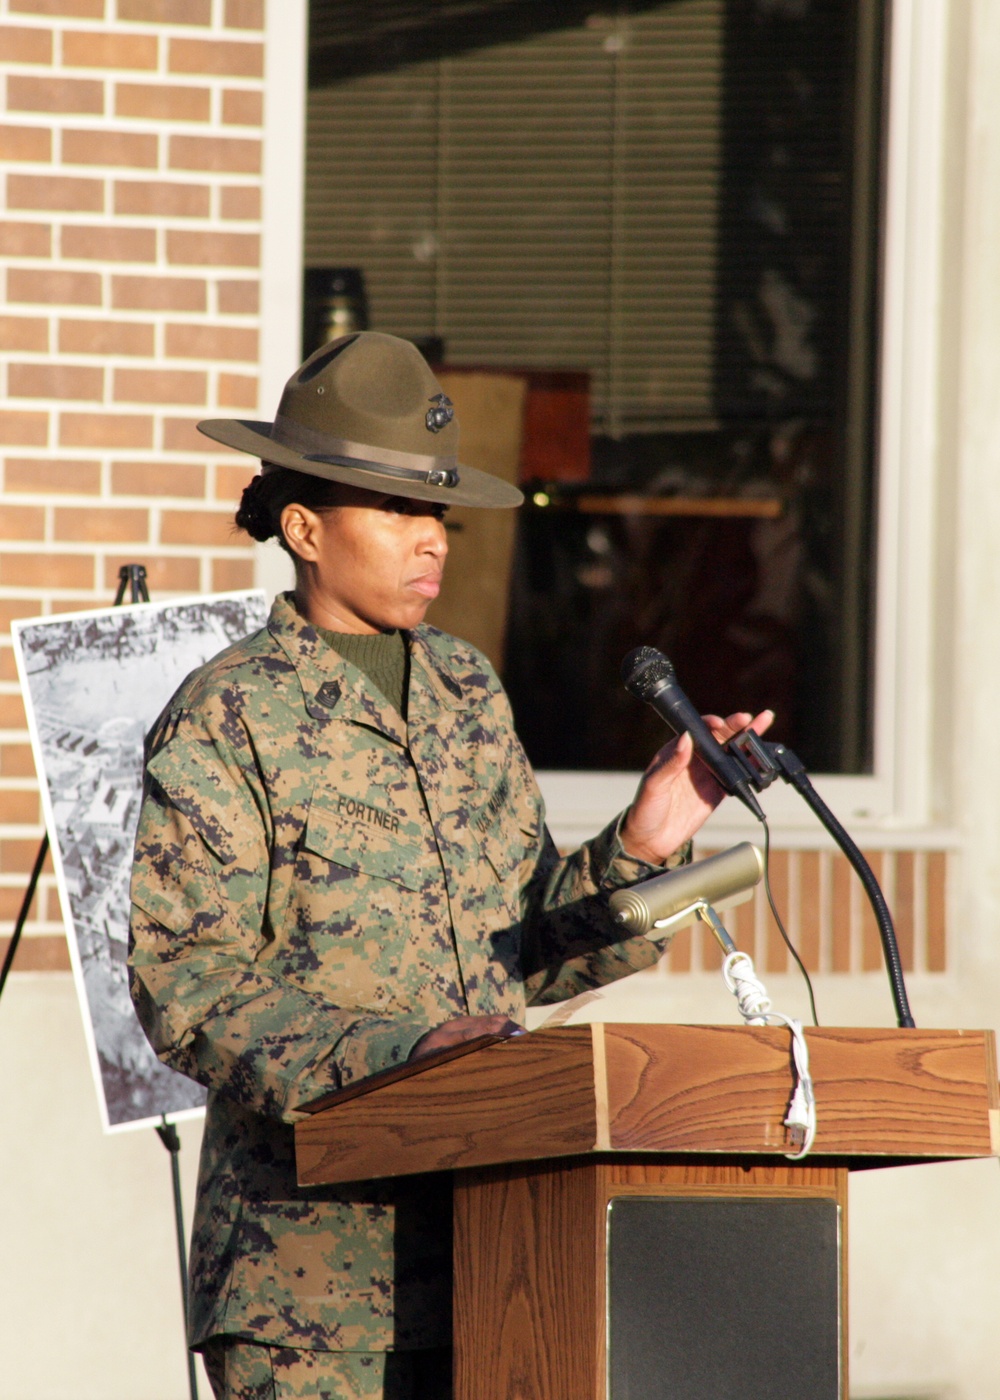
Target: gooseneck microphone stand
(764, 762)
(746, 763)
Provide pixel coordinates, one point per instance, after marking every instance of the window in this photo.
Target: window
(679, 200)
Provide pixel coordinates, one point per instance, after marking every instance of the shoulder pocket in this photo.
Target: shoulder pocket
(208, 795)
(368, 841)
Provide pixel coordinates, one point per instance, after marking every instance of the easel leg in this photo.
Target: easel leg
(22, 917)
(171, 1141)
(131, 577)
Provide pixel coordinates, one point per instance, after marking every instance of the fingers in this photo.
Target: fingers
(672, 759)
(762, 723)
(724, 729)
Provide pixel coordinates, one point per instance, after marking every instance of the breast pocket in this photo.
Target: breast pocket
(362, 840)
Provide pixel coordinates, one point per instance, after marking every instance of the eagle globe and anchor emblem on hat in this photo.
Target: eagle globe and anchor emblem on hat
(359, 411)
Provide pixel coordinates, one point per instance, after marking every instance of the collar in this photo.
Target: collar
(334, 687)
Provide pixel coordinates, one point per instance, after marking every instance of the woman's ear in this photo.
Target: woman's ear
(300, 527)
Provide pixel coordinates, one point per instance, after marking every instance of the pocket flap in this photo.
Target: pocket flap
(207, 795)
(366, 839)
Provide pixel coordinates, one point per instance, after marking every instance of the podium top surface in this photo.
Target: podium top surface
(667, 1089)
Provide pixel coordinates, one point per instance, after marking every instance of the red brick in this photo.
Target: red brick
(40, 952)
(840, 952)
(18, 807)
(164, 574)
(230, 481)
(158, 479)
(903, 910)
(244, 14)
(218, 57)
(16, 761)
(230, 574)
(106, 338)
(55, 381)
(23, 333)
(94, 49)
(219, 153)
(158, 294)
(871, 944)
(239, 298)
(26, 93)
(22, 522)
(71, 604)
(104, 525)
(12, 706)
(135, 149)
(188, 342)
(213, 249)
(238, 391)
(105, 430)
(157, 197)
(25, 240)
(182, 435)
(17, 856)
(8, 668)
(13, 609)
(166, 11)
(163, 102)
(22, 429)
(242, 107)
(49, 286)
(160, 386)
(44, 569)
(240, 202)
(19, 44)
(199, 527)
(25, 143)
(49, 475)
(109, 243)
(72, 9)
(937, 911)
(67, 192)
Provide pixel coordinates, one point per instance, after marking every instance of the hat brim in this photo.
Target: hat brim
(474, 487)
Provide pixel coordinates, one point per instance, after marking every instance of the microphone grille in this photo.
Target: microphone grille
(644, 670)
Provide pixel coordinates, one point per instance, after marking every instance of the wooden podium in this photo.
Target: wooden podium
(627, 1224)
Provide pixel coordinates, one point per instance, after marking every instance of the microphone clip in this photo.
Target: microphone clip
(756, 758)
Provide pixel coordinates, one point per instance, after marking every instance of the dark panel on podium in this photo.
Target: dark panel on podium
(718, 1297)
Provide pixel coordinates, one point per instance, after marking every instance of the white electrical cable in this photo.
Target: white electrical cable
(755, 1008)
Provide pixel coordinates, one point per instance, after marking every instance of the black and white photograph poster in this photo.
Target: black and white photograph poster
(93, 683)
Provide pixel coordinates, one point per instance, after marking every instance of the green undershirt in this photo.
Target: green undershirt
(382, 656)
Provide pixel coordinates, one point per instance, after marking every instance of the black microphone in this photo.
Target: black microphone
(648, 675)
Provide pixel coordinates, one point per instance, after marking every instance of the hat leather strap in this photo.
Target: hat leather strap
(379, 461)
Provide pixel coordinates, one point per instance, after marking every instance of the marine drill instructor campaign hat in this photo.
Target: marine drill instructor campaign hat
(367, 410)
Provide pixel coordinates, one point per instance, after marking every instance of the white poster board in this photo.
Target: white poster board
(93, 684)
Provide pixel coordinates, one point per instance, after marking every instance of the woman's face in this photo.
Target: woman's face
(367, 565)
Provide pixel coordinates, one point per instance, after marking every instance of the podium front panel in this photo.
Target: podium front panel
(554, 1261)
(719, 1296)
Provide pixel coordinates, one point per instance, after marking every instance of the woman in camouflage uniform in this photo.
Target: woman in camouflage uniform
(342, 862)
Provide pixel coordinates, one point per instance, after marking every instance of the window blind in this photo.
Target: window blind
(547, 203)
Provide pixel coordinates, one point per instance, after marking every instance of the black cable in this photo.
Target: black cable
(781, 927)
(797, 777)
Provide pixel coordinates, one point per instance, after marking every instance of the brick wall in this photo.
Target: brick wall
(828, 917)
(130, 146)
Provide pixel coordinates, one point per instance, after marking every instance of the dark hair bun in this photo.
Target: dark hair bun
(254, 514)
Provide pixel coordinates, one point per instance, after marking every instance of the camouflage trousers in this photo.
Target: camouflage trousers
(241, 1370)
